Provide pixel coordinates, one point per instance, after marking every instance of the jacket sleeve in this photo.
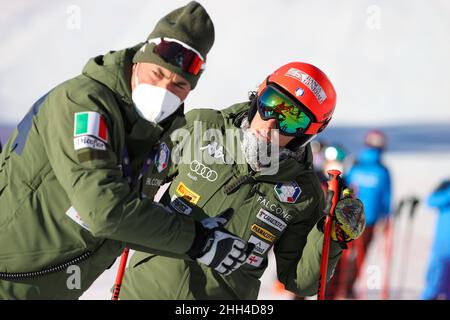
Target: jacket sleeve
(93, 181)
(299, 251)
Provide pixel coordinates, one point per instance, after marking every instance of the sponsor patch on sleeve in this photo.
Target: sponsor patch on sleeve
(90, 124)
(179, 206)
(254, 260)
(83, 142)
(261, 247)
(268, 218)
(263, 233)
(288, 192)
(187, 193)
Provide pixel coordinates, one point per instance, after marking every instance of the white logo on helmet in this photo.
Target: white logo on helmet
(299, 92)
(309, 82)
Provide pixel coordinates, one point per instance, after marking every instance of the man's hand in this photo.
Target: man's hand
(349, 219)
(218, 248)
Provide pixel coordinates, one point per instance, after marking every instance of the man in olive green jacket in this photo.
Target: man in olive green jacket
(278, 200)
(71, 174)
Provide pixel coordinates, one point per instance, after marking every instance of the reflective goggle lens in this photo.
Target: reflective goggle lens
(174, 53)
(291, 119)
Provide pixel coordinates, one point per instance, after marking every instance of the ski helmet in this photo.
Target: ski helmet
(309, 86)
(375, 139)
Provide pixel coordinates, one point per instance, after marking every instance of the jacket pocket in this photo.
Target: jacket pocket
(140, 258)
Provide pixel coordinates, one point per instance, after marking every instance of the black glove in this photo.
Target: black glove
(216, 247)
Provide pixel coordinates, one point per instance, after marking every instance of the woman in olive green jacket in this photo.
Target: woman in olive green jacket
(278, 204)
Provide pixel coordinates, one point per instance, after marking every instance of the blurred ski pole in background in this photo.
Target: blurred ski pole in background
(413, 201)
(388, 234)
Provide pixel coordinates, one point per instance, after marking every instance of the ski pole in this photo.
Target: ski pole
(414, 201)
(360, 250)
(334, 185)
(120, 273)
(389, 248)
(388, 234)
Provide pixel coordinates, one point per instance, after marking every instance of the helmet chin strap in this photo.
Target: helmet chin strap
(253, 108)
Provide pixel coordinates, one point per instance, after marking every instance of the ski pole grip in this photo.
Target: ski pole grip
(335, 185)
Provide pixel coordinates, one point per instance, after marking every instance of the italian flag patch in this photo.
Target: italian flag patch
(90, 124)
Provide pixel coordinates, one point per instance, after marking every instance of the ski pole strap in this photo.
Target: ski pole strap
(341, 238)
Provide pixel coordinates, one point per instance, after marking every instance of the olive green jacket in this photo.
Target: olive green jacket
(63, 195)
(278, 211)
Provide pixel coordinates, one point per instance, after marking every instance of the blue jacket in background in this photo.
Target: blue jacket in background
(440, 199)
(372, 184)
(438, 275)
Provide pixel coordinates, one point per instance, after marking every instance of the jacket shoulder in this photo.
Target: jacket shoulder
(215, 116)
(82, 93)
(85, 92)
(204, 115)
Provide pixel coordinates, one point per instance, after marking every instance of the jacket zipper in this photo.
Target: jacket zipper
(46, 271)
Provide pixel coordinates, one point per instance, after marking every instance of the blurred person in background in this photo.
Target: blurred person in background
(438, 274)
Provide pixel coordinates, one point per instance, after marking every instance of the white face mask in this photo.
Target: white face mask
(153, 103)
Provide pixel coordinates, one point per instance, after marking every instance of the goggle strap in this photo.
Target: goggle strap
(314, 128)
(196, 66)
(159, 40)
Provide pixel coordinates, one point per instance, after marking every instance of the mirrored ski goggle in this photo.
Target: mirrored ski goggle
(179, 54)
(291, 119)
